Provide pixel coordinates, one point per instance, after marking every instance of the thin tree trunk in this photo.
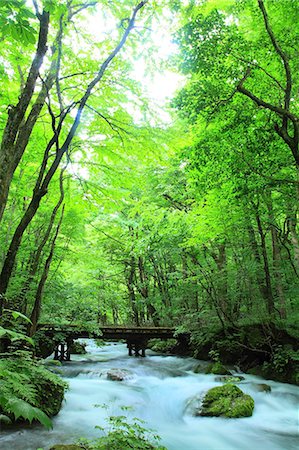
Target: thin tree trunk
(35, 314)
(21, 299)
(268, 288)
(131, 290)
(277, 261)
(144, 291)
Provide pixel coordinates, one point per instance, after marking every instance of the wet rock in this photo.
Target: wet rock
(200, 368)
(119, 374)
(194, 404)
(51, 363)
(217, 368)
(262, 387)
(77, 348)
(226, 401)
(230, 378)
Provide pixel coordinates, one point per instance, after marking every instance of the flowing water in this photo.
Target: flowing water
(159, 390)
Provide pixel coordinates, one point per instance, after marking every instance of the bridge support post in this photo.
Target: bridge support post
(63, 351)
(136, 348)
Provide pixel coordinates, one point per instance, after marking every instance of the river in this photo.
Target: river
(159, 390)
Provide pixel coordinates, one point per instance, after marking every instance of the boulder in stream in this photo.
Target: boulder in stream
(119, 374)
(262, 387)
(230, 379)
(226, 401)
(78, 348)
(217, 368)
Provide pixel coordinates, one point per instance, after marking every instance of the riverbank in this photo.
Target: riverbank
(264, 349)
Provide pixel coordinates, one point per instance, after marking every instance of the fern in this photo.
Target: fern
(22, 409)
(23, 381)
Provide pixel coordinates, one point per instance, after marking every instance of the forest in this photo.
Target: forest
(148, 178)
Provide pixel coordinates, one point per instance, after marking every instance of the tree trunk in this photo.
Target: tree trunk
(144, 291)
(37, 254)
(17, 113)
(40, 289)
(277, 261)
(131, 290)
(268, 295)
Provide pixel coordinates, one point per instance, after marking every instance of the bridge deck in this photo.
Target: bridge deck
(111, 332)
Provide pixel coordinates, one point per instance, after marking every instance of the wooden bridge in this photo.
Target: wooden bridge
(136, 337)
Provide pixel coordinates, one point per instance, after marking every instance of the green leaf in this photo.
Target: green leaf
(5, 419)
(17, 315)
(20, 408)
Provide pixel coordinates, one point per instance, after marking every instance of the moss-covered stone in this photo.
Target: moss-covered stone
(78, 348)
(200, 368)
(226, 401)
(230, 379)
(217, 368)
(167, 346)
(50, 391)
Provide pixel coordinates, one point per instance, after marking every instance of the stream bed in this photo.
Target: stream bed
(159, 390)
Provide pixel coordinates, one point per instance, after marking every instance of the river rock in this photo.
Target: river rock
(200, 368)
(262, 387)
(78, 348)
(119, 374)
(217, 368)
(230, 378)
(226, 401)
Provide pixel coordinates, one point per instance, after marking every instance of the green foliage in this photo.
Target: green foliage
(124, 434)
(15, 21)
(167, 346)
(28, 390)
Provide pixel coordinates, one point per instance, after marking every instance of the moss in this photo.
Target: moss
(200, 368)
(77, 348)
(227, 401)
(217, 368)
(230, 379)
(157, 345)
(50, 391)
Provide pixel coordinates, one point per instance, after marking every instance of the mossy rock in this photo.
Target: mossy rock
(217, 368)
(226, 401)
(52, 363)
(78, 348)
(200, 368)
(230, 379)
(159, 346)
(50, 391)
